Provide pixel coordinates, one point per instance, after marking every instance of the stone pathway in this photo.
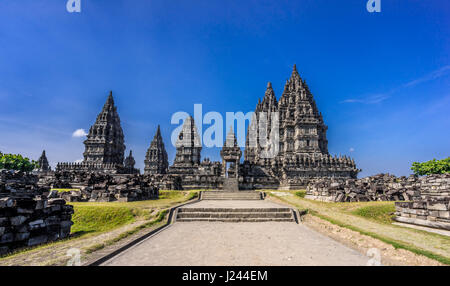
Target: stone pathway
(230, 244)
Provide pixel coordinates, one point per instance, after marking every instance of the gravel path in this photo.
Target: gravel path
(230, 244)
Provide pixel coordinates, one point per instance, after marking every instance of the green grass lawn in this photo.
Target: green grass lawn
(93, 217)
(383, 213)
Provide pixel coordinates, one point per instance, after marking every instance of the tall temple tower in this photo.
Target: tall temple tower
(263, 111)
(302, 130)
(301, 127)
(105, 141)
(156, 161)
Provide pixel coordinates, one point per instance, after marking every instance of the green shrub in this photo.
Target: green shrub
(17, 162)
(432, 167)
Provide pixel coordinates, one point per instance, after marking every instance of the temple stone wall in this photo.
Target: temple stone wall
(102, 187)
(27, 216)
(432, 208)
(382, 187)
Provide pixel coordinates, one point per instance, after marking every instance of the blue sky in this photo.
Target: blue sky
(381, 80)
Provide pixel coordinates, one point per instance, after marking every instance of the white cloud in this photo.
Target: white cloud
(79, 133)
(352, 149)
(378, 98)
(78, 161)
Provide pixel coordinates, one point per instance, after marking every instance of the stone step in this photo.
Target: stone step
(235, 219)
(235, 214)
(243, 210)
(244, 195)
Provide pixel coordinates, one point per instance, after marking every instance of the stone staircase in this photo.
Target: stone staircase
(235, 215)
(226, 195)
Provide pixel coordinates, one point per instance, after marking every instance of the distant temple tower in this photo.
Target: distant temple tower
(189, 148)
(105, 141)
(188, 144)
(43, 163)
(156, 161)
(129, 161)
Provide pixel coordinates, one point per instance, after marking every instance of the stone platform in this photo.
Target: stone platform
(231, 195)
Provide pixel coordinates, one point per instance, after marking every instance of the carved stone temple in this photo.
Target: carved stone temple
(288, 152)
(104, 146)
(43, 164)
(156, 161)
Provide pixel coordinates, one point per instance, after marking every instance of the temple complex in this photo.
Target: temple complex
(286, 147)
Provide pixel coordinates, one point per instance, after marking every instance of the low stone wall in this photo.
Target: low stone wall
(100, 187)
(27, 216)
(432, 209)
(382, 187)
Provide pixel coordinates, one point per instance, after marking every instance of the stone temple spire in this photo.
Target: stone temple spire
(43, 163)
(231, 140)
(129, 161)
(105, 141)
(269, 102)
(188, 144)
(156, 161)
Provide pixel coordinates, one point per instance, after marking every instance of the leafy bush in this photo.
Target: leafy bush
(17, 162)
(432, 167)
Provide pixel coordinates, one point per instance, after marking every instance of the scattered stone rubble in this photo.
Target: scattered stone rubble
(101, 187)
(432, 208)
(27, 216)
(382, 187)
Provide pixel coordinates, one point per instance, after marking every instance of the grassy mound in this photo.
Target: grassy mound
(98, 219)
(380, 213)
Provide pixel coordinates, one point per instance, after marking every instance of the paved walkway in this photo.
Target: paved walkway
(230, 244)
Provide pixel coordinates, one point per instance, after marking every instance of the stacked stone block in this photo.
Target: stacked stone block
(382, 187)
(432, 208)
(27, 216)
(101, 187)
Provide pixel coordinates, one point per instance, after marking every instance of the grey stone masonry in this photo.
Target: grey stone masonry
(27, 216)
(382, 187)
(103, 187)
(432, 208)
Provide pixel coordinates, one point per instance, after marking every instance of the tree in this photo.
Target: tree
(17, 162)
(432, 167)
